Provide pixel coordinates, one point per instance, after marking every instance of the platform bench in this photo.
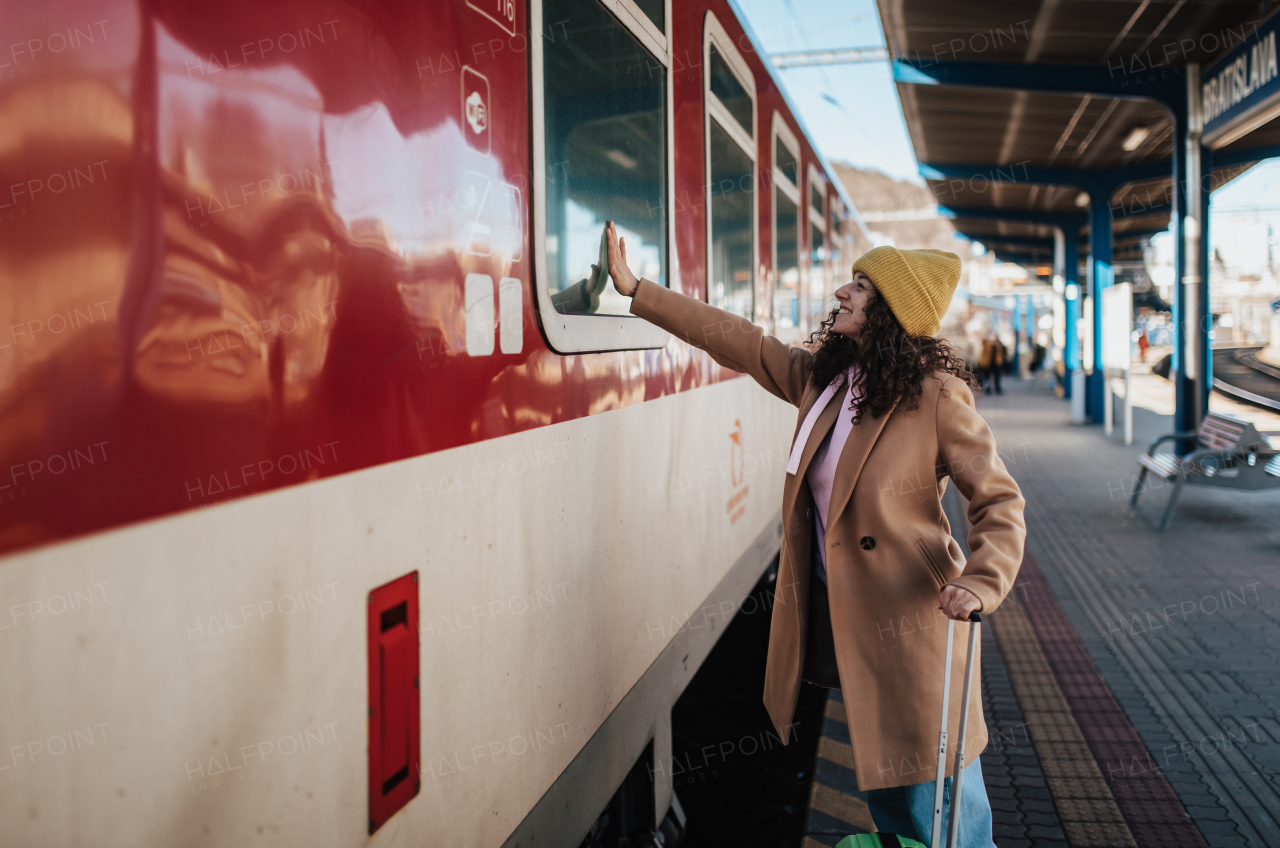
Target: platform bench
(1229, 453)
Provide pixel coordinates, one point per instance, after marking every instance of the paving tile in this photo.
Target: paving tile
(1072, 768)
(1098, 835)
(1069, 787)
(1074, 809)
(1118, 586)
(1040, 832)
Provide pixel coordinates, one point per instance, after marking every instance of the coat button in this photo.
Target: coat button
(868, 543)
(808, 513)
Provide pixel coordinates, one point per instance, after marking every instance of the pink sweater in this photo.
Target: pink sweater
(822, 470)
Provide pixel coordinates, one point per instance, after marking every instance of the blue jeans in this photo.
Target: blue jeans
(908, 810)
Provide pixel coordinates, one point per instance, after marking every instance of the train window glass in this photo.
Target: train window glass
(786, 161)
(728, 90)
(818, 277)
(818, 287)
(731, 282)
(786, 292)
(654, 10)
(605, 155)
(837, 234)
(788, 204)
(729, 95)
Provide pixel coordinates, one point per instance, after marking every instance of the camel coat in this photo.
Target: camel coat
(888, 544)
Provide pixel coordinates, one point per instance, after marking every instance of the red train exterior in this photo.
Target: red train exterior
(191, 315)
(241, 378)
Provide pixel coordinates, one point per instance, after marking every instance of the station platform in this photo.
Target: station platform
(1130, 682)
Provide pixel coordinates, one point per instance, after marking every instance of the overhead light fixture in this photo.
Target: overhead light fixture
(1082, 199)
(1134, 139)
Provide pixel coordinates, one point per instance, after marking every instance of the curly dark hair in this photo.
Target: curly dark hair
(892, 363)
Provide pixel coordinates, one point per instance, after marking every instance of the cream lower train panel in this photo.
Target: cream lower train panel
(201, 679)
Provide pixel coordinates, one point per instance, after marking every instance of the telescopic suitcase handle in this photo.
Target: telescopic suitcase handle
(953, 824)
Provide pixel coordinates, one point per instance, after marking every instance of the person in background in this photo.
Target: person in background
(1143, 344)
(881, 401)
(1037, 358)
(991, 362)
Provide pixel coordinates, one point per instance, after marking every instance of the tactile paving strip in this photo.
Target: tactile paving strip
(1089, 814)
(836, 808)
(1152, 810)
(1023, 814)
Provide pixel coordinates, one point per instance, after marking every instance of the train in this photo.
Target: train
(343, 502)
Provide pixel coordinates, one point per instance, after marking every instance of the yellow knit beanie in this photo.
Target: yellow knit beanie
(917, 284)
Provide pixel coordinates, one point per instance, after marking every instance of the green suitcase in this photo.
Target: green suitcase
(878, 840)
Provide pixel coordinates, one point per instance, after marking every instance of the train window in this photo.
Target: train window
(838, 234)
(654, 10)
(786, 294)
(731, 164)
(731, 260)
(787, 203)
(819, 284)
(817, 244)
(729, 91)
(601, 152)
(787, 162)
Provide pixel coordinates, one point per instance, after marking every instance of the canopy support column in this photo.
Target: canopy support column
(1191, 318)
(1101, 278)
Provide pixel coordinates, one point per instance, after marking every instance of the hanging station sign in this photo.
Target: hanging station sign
(1241, 90)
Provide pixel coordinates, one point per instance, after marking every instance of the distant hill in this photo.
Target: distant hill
(879, 196)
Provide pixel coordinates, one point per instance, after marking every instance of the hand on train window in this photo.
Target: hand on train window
(583, 297)
(957, 602)
(623, 280)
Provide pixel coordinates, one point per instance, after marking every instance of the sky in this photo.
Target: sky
(851, 111)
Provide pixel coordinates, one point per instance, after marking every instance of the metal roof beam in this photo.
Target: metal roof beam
(1138, 209)
(1021, 257)
(1120, 235)
(1098, 80)
(1093, 180)
(1066, 220)
(1016, 241)
(1231, 158)
(1089, 178)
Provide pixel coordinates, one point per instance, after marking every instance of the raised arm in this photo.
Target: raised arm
(968, 452)
(733, 341)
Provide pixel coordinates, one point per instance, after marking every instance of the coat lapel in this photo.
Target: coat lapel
(856, 449)
(826, 419)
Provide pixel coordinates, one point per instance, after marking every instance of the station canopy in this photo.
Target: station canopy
(1135, 49)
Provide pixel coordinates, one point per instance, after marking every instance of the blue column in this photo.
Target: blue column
(1206, 364)
(1185, 401)
(1071, 276)
(1102, 275)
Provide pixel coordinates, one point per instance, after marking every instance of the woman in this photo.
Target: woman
(886, 416)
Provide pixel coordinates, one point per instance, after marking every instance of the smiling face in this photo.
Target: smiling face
(853, 298)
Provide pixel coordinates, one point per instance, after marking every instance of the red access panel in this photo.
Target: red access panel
(394, 715)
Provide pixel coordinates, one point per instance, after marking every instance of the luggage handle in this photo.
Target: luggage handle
(953, 823)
